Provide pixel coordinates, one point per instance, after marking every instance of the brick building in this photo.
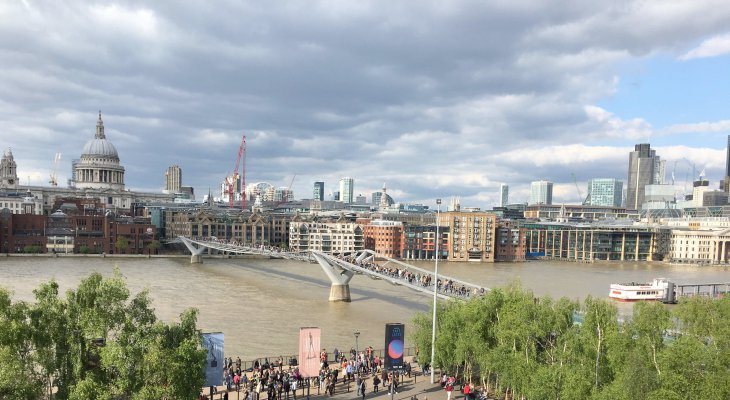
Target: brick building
(419, 242)
(472, 235)
(511, 242)
(384, 237)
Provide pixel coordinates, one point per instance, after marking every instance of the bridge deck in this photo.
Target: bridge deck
(237, 248)
(364, 262)
(405, 275)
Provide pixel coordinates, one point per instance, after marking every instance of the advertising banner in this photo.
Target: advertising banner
(394, 345)
(309, 364)
(214, 363)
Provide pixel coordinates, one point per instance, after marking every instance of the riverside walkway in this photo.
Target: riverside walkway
(341, 268)
(417, 385)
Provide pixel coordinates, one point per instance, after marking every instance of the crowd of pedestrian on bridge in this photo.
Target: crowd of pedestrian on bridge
(445, 286)
(231, 242)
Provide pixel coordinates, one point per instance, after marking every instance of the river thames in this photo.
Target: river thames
(260, 304)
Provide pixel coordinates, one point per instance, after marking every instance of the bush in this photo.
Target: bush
(32, 249)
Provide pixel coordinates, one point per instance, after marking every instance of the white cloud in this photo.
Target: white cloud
(699, 127)
(605, 123)
(712, 47)
(564, 155)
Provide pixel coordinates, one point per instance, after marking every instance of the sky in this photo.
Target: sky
(436, 99)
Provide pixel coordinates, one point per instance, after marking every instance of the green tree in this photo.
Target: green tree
(18, 377)
(154, 246)
(32, 249)
(96, 342)
(121, 244)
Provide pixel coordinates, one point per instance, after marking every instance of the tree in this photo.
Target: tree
(519, 346)
(32, 249)
(18, 378)
(97, 342)
(154, 246)
(121, 244)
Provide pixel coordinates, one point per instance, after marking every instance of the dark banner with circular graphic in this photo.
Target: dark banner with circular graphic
(394, 345)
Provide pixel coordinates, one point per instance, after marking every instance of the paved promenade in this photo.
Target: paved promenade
(417, 385)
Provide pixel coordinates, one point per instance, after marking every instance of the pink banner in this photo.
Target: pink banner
(309, 363)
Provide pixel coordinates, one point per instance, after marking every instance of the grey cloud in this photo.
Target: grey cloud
(379, 91)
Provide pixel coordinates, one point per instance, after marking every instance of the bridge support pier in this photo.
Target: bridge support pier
(340, 293)
(196, 251)
(340, 278)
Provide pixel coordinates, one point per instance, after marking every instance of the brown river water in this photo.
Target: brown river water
(260, 304)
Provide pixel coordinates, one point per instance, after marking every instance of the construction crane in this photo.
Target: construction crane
(54, 171)
(580, 195)
(231, 180)
(285, 197)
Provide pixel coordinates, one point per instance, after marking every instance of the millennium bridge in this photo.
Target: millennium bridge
(341, 268)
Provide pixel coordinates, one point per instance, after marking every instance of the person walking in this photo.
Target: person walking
(449, 388)
(376, 382)
(362, 388)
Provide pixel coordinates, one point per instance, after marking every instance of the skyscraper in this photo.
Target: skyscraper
(541, 192)
(173, 179)
(605, 192)
(318, 193)
(645, 168)
(347, 189)
(503, 195)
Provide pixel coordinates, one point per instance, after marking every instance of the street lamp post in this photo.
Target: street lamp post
(435, 288)
(357, 348)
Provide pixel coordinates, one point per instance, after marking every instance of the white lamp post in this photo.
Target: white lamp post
(435, 288)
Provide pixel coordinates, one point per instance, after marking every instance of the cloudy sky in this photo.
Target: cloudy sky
(434, 98)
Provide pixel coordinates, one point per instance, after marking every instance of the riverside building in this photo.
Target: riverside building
(384, 237)
(339, 236)
(592, 242)
(472, 235)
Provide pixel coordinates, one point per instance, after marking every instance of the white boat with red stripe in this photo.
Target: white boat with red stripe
(658, 289)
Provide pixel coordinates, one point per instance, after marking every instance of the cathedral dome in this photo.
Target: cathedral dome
(99, 166)
(99, 148)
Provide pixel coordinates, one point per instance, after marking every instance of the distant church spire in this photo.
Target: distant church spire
(100, 128)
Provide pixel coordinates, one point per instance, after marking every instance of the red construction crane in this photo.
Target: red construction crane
(234, 177)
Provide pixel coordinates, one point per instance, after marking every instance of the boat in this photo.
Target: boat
(658, 289)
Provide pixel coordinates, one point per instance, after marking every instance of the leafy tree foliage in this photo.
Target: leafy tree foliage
(518, 346)
(121, 244)
(97, 342)
(154, 246)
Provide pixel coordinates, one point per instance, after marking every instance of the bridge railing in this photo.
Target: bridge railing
(446, 286)
(234, 246)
